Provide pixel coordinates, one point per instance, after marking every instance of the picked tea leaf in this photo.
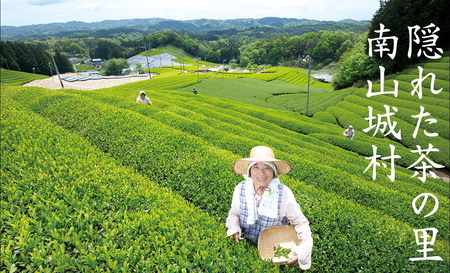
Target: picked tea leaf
(281, 252)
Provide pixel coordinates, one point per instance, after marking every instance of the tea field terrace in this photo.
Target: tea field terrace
(185, 144)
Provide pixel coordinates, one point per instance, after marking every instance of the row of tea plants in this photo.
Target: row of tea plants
(187, 143)
(68, 207)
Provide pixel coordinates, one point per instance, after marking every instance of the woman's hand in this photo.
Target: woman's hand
(235, 237)
(293, 261)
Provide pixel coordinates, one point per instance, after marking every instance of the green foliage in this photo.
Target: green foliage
(108, 50)
(84, 160)
(139, 67)
(66, 206)
(355, 65)
(397, 16)
(281, 252)
(406, 112)
(62, 62)
(407, 130)
(325, 117)
(115, 66)
(346, 208)
(82, 67)
(24, 57)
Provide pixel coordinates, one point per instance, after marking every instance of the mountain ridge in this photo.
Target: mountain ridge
(147, 26)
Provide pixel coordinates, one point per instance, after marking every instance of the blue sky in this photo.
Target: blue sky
(28, 12)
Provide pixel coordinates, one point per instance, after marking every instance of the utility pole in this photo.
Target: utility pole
(50, 67)
(146, 55)
(309, 60)
(54, 63)
(223, 67)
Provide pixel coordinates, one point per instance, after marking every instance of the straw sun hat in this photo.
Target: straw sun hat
(261, 153)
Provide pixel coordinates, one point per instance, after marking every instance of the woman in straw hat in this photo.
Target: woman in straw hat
(261, 201)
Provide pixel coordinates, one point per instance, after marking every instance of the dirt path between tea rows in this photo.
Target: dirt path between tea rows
(53, 82)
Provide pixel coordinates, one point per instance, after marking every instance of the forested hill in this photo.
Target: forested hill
(207, 28)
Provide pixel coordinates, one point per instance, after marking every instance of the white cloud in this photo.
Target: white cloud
(45, 2)
(91, 6)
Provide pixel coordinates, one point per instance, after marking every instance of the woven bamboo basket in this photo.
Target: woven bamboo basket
(270, 238)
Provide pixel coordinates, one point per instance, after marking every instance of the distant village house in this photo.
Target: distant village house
(96, 62)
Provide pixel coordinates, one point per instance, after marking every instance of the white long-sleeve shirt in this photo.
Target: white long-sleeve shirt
(289, 208)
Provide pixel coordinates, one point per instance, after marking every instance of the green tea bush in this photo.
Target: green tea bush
(438, 83)
(441, 99)
(436, 106)
(325, 117)
(434, 65)
(263, 76)
(364, 147)
(67, 207)
(169, 173)
(328, 101)
(185, 142)
(441, 74)
(441, 157)
(346, 118)
(16, 78)
(406, 114)
(170, 81)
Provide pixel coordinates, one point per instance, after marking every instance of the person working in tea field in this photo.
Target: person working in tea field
(143, 98)
(349, 133)
(194, 91)
(261, 201)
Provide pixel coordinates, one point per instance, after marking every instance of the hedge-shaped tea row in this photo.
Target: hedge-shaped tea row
(166, 82)
(354, 189)
(219, 76)
(218, 118)
(364, 147)
(297, 77)
(441, 157)
(324, 103)
(438, 107)
(156, 150)
(16, 78)
(342, 239)
(404, 92)
(441, 126)
(438, 83)
(441, 74)
(346, 118)
(325, 117)
(434, 65)
(241, 140)
(384, 233)
(261, 131)
(190, 122)
(288, 120)
(226, 115)
(317, 100)
(264, 76)
(67, 207)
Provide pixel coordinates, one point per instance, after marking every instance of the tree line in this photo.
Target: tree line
(348, 49)
(324, 47)
(356, 66)
(27, 57)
